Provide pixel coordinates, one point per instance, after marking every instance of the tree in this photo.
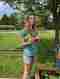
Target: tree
(12, 20)
(26, 7)
(4, 20)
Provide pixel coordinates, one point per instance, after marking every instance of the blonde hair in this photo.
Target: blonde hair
(26, 19)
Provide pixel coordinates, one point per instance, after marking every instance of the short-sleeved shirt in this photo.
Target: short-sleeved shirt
(31, 49)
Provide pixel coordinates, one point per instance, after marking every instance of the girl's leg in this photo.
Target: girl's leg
(27, 67)
(37, 70)
(37, 75)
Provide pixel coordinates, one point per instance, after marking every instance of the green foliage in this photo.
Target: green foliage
(43, 54)
(8, 20)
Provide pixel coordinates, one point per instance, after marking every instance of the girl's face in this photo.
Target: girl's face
(29, 23)
(31, 20)
(26, 24)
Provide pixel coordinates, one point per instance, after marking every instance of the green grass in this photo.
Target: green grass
(11, 61)
(7, 40)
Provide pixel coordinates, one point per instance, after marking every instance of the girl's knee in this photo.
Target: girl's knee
(25, 75)
(26, 72)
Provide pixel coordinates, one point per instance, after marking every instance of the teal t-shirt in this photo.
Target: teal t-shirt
(31, 49)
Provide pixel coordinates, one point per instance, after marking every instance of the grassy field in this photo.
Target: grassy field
(7, 40)
(10, 64)
(11, 61)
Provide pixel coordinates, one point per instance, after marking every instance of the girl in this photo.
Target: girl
(29, 43)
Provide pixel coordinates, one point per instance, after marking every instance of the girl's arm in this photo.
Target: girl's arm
(27, 40)
(21, 40)
(36, 37)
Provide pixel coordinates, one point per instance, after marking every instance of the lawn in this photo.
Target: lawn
(11, 61)
(7, 40)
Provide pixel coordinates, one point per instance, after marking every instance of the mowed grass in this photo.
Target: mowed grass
(7, 40)
(11, 61)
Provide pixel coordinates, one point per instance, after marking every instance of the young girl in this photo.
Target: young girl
(30, 41)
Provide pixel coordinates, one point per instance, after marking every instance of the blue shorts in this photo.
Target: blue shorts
(30, 51)
(29, 55)
(28, 59)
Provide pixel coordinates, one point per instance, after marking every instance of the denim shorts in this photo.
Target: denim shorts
(58, 63)
(28, 59)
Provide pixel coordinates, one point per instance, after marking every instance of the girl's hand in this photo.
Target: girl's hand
(28, 38)
(35, 39)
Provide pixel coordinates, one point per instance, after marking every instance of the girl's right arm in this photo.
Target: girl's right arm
(21, 40)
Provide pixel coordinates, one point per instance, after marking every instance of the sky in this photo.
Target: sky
(6, 9)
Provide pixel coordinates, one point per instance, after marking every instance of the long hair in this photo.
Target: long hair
(26, 19)
(34, 21)
(34, 24)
